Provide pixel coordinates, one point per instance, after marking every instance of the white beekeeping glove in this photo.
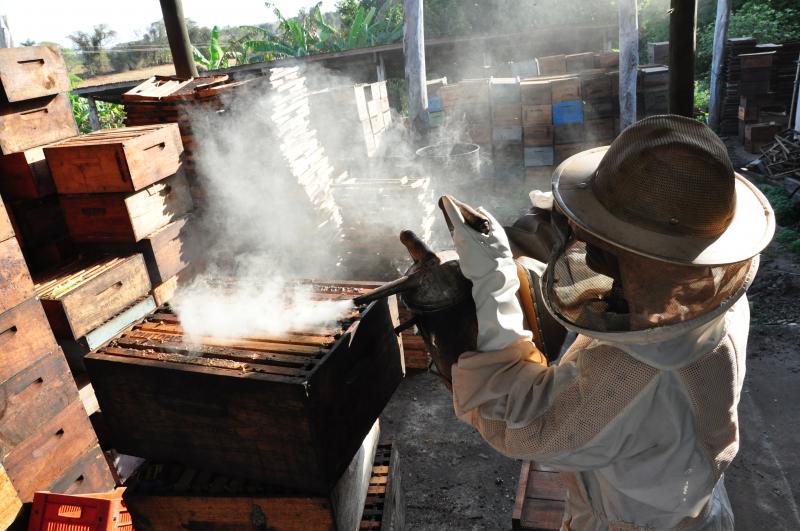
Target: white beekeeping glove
(540, 199)
(486, 260)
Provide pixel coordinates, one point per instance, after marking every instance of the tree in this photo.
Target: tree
(91, 47)
(29, 42)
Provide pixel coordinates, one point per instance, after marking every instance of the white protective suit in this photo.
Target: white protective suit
(644, 423)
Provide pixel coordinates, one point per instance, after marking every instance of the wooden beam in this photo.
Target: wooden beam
(682, 24)
(414, 52)
(628, 61)
(717, 62)
(178, 36)
(94, 118)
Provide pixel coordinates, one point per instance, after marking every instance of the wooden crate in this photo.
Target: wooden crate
(126, 218)
(507, 133)
(465, 92)
(567, 112)
(504, 90)
(595, 86)
(6, 228)
(81, 296)
(167, 401)
(566, 89)
(26, 338)
(33, 397)
(565, 151)
(535, 92)
(44, 457)
(15, 282)
(10, 504)
(540, 500)
(126, 159)
(600, 130)
(539, 156)
(537, 115)
(578, 62)
(385, 507)
(606, 60)
(653, 77)
(506, 114)
(27, 124)
(88, 474)
(479, 114)
(31, 72)
(537, 135)
(552, 65)
(655, 102)
(25, 175)
(598, 108)
(658, 52)
(185, 498)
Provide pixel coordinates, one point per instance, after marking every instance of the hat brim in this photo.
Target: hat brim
(749, 232)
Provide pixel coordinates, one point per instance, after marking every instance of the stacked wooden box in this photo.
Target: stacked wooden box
(126, 203)
(731, 73)
(47, 440)
(466, 107)
(351, 121)
(652, 89)
(34, 111)
(658, 52)
(507, 149)
(540, 501)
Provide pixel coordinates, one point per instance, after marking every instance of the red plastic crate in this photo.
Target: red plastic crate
(104, 511)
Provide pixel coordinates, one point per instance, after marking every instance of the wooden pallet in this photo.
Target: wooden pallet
(164, 398)
(385, 506)
(540, 501)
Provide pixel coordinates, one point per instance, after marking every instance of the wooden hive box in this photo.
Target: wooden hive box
(552, 65)
(540, 501)
(595, 86)
(25, 175)
(126, 159)
(31, 72)
(537, 115)
(10, 504)
(186, 498)
(566, 89)
(27, 124)
(535, 92)
(40, 221)
(578, 62)
(27, 338)
(81, 296)
(606, 60)
(538, 135)
(288, 410)
(126, 218)
(15, 282)
(504, 90)
(506, 114)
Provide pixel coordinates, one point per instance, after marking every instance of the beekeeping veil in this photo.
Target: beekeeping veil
(654, 230)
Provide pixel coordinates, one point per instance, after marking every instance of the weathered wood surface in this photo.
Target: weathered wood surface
(10, 503)
(414, 54)
(45, 456)
(628, 61)
(126, 159)
(25, 175)
(32, 397)
(6, 228)
(539, 504)
(203, 405)
(27, 124)
(83, 295)
(245, 504)
(25, 337)
(31, 72)
(15, 281)
(385, 506)
(89, 473)
(126, 218)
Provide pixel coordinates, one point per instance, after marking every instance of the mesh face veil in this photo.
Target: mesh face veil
(596, 286)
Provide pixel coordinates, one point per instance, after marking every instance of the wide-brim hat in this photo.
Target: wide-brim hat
(665, 189)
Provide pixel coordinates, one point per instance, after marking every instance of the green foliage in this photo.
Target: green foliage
(765, 21)
(702, 96)
(310, 33)
(217, 58)
(787, 212)
(790, 238)
(91, 46)
(110, 114)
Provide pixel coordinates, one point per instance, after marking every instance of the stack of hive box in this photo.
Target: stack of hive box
(731, 73)
(506, 111)
(436, 114)
(126, 205)
(351, 121)
(466, 107)
(755, 73)
(47, 441)
(652, 90)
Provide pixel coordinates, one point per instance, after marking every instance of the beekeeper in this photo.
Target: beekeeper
(658, 242)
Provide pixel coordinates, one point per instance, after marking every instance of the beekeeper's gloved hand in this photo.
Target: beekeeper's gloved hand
(486, 260)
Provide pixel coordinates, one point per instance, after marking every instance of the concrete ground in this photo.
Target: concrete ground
(454, 480)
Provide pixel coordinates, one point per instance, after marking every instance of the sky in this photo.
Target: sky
(53, 20)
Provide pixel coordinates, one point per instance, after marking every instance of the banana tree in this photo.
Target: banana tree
(217, 58)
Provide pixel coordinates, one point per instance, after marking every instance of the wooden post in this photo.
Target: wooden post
(178, 37)
(414, 53)
(628, 61)
(682, 24)
(380, 67)
(5, 33)
(94, 118)
(717, 62)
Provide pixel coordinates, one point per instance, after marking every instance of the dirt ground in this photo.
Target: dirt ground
(455, 481)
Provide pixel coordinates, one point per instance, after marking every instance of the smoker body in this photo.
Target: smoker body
(291, 415)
